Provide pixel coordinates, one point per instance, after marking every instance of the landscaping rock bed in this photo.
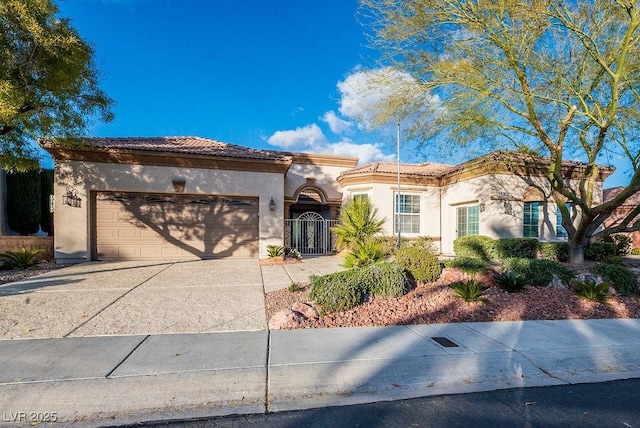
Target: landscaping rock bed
(436, 303)
(18, 275)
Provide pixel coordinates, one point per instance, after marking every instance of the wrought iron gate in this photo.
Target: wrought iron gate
(310, 234)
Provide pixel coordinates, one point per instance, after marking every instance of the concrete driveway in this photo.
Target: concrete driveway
(121, 298)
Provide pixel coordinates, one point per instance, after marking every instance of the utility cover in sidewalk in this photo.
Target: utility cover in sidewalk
(447, 343)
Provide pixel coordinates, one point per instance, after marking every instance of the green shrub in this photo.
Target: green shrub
(556, 251)
(589, 290)
(470, 291)
(46, 190)
(538, 272)
(294, 287)
(363, 254)
(22, 259)
(474, 246)
(623, 279)
(424, 242)
(275, 251)
(525, 248)
(614, 260)
(385, 279)
(344, 290)
(623, 244)
(598, 251)
(636, 251)
(422, 264)
(469, 265)
(509, 281)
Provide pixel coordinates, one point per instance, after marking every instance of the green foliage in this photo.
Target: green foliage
(623, 244)
(635, 252)
(48, 81)
(421, 263)
(589, 290)
(364, 253)
(23, 201)
(275, 251)
(614, 260)
(469, 291)
(474, 246)
(358, 222)
(294, 287)
(538, 272)
(46, 190)
(623, 279)
(598, 251)
(344, 290)
(469, 265)
(525, 248)
(556, 251)
(510, 282)
(22, 259)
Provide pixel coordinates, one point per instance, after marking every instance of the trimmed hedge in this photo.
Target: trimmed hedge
(524, 248)
(556, 251)
(538, 272)
(623, 279)
(468, 265)
(474, 246)
(598, 251)
(344, 290)
(422, 264)
(24, 201)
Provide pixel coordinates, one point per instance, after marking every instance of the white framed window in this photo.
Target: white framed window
(359, 196)
(561, 232)
(467, 220)
(407, 213)
(531, 220)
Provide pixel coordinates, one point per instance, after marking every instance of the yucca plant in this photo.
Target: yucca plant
(358, 222)
(275, 251)
(364, 254)
(510, 281)
(22, 259)
(469, 291)
(590, 290)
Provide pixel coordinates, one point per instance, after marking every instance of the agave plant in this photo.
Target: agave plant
(275, 251)
(510, 281)
(469, 291)
(22, 259)
(590, 290)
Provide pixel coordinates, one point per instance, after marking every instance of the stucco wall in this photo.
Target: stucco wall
(72, 225)
(325, 178)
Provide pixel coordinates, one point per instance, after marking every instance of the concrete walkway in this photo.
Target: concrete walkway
(112, 380)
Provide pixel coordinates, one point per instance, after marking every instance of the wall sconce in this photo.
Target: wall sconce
(72, 199)
(178, 185)
(272, 204)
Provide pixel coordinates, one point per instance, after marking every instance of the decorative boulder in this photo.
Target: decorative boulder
(306, 310)
(557, 283)
(285, 319)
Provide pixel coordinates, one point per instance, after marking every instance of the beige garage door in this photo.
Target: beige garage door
(131, 226)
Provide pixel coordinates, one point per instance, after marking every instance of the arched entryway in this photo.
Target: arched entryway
(309, 218)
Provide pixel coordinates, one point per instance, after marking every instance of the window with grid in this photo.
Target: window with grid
(531, 225)
(360, 196)
(407, 213)
(561, 232)
(468, 220)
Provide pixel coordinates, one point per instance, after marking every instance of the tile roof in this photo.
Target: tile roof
(183, 145)
(611, 193)
(426, 169)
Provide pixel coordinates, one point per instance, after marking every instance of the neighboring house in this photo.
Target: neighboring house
(191, 198)
(622, 211)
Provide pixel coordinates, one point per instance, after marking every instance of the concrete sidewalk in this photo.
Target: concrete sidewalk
(114, 380)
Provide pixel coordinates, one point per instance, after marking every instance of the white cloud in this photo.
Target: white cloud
(336, 124)
(311, 139)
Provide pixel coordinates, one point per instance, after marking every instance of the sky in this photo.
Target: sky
(268, 74)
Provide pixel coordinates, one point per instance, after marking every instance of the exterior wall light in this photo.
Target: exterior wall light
(272, 204)
(178, 185)
(72, 199)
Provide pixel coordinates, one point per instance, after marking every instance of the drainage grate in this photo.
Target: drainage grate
(447, 343)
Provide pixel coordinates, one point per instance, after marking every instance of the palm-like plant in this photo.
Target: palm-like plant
(358, 222)
(22, 259)
(364, 254)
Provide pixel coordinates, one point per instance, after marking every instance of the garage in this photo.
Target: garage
(156, 226)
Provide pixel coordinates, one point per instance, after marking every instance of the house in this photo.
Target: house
(193, 198)
(622, 211)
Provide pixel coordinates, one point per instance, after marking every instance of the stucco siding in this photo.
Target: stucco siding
(324, 177)
(73, 225)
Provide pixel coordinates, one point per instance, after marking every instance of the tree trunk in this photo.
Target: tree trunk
(576, 251)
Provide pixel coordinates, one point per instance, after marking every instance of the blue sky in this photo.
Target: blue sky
(271, 74)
